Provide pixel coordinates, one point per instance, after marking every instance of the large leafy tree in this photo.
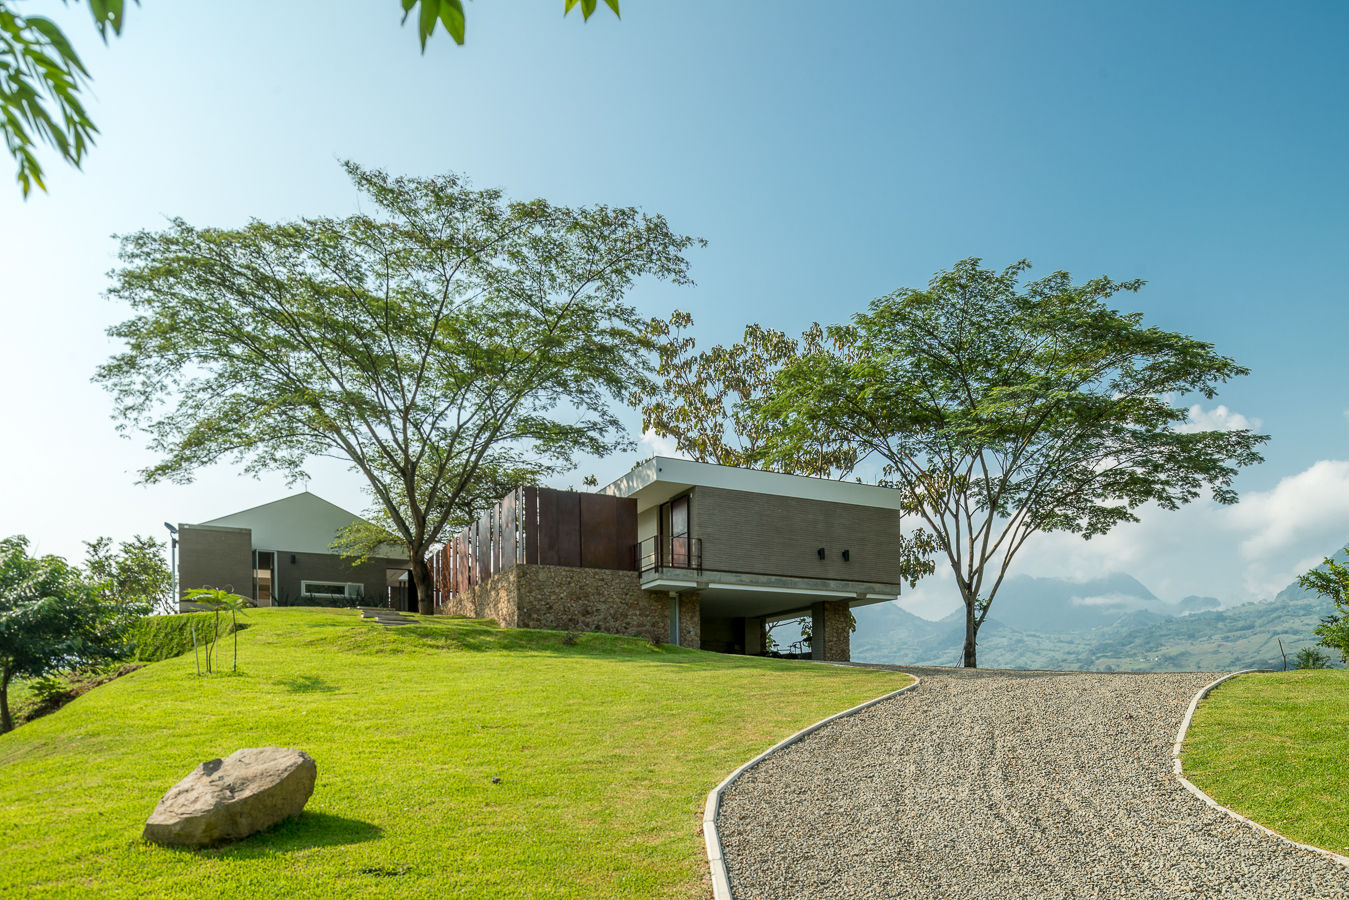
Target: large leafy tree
(50, 618)
(1002, 410)
(1331, 580)
(133, 575)
(704, 399)
(445, 337)
(42, 77)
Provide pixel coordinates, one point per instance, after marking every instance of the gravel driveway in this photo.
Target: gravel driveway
(997, 784)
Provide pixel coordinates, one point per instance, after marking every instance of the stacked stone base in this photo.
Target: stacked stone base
(564, 598)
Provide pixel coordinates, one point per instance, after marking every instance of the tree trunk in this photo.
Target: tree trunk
(971, 630)
(6, 722)
(421, 579)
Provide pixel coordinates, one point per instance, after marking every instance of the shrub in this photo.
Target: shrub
(1311, 658)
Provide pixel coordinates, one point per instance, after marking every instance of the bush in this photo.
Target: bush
(1311, 658)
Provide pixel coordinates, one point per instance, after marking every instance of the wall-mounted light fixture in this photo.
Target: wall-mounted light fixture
(845, 555)
(820, 552)
(292, 559)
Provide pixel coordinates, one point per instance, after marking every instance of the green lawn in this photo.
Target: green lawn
(1274, 747)
(605, 749)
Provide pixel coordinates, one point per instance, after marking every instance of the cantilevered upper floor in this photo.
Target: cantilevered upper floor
(761, 542)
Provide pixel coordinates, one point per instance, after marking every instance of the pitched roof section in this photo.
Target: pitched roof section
(300, 523)
(662, 477)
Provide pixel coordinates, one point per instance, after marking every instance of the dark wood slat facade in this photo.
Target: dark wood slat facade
(542, 526)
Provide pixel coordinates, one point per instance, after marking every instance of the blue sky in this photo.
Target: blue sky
(829, 153)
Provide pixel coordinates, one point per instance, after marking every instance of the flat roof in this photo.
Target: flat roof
(662, 477)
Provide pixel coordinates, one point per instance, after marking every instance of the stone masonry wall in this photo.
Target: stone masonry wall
(690, 620)
(564, 598)
(495, 599)
(833, 622)
(606, 600)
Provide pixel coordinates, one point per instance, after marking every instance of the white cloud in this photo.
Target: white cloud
(1301, 510)
(1249, 551)
(1220, 418)
(653, 444)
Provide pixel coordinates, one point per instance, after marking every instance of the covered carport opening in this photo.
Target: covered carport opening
(736, 620)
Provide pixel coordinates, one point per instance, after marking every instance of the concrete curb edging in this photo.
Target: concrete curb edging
(721, 882)
(1190, 786)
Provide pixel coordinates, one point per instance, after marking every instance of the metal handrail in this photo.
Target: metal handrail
(655, 554)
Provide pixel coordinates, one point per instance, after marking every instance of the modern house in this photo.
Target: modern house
(697, 554)
(280, 553)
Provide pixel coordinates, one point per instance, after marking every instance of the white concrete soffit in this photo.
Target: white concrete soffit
(677, 474)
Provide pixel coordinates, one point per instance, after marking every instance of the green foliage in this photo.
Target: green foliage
(450, 14)
(446, 340)
(1331, 581)
(704, 400)
(1001, 410)
(1311, 658)
(41, 77)
(156, 638)
(220, 601)
(375, 534)
(606, 749)
(51, 618)
(133, 577)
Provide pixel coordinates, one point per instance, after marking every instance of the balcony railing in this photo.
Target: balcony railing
(655, 554)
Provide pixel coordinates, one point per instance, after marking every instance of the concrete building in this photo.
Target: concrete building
(696, 554)
(280, 554)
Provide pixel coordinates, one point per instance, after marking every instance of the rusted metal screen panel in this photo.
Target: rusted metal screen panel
(470, 556)
(549, 554)
(598, 531)
(482, 548)
(626, 525)
(531, 525)
(568, 529)
(510, 525)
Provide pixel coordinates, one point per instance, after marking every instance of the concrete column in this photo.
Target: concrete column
(674, 619)
(754, 635)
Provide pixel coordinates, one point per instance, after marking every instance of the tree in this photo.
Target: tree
(370, 535)
(132, 576)
(704, 400)
(1331, 580)
(41, 76)
(448, 337)
(50, 619)
(1002, 411)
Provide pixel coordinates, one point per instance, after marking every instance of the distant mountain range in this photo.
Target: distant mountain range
(1112, 623)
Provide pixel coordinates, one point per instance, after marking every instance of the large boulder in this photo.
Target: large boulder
(231, 798)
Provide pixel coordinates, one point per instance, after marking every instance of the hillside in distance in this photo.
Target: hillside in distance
(1111, 623)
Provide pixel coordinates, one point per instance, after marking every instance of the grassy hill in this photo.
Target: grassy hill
(605, 750)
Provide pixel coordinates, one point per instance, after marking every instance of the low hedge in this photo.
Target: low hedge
(162, 637)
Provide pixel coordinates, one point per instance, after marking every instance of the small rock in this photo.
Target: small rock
(225, 800)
